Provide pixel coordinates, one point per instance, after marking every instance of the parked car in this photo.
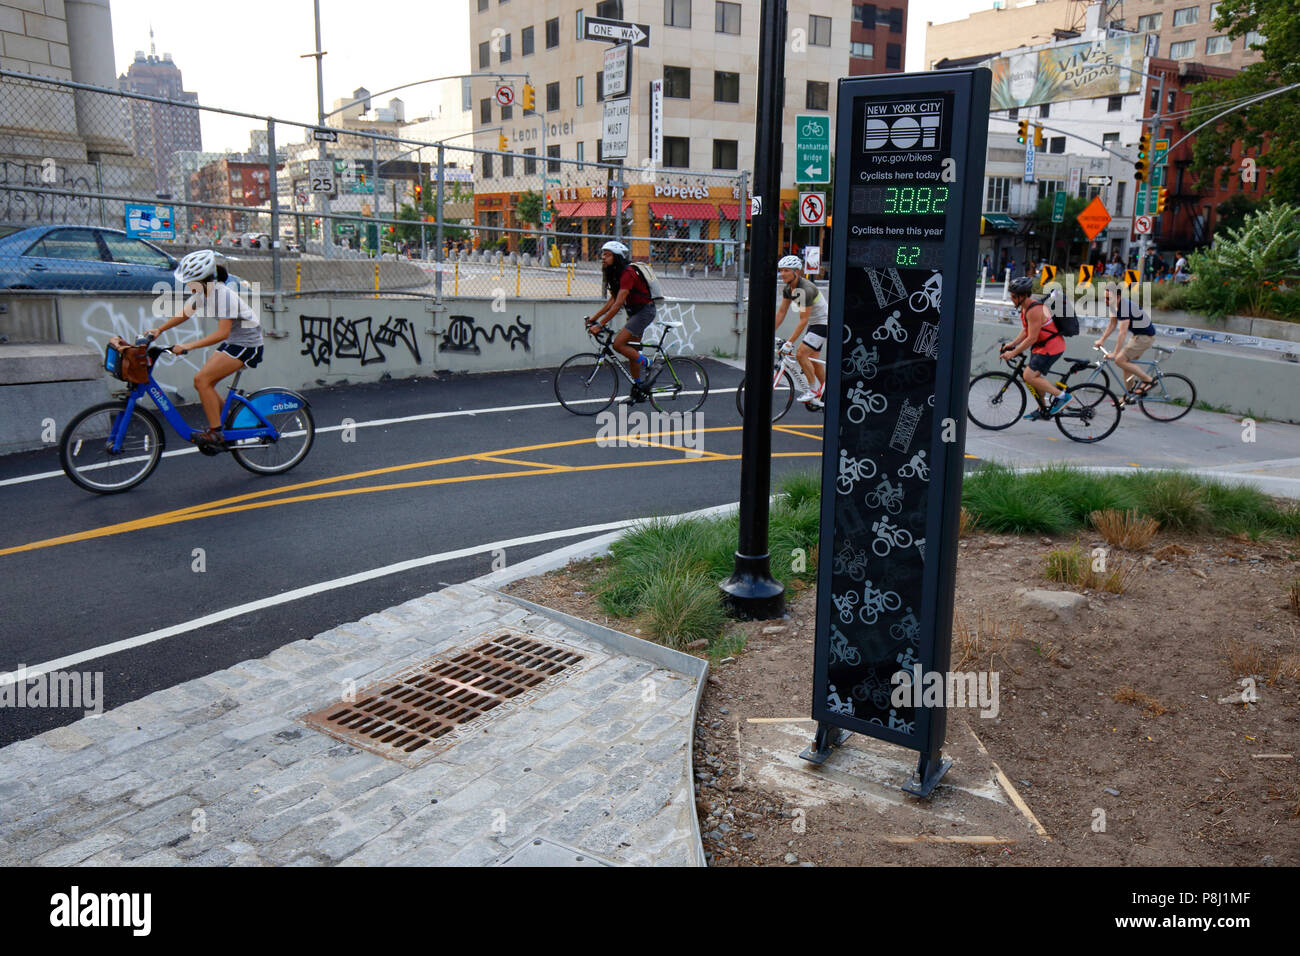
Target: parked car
(82, 258)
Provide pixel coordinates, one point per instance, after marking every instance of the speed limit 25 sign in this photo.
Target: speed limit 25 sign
(320, 172)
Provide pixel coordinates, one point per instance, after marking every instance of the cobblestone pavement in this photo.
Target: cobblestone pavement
(223, 771)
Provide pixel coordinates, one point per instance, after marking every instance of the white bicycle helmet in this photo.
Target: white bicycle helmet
(790, 262)
(197, 266)
(615, 247)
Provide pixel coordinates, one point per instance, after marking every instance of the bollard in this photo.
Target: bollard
(376, 279)
(518, 272)
(568, 279)
(455, 280)
(297, 278)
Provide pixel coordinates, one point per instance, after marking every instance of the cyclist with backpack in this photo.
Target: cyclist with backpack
(1041, 336)
(628, 286)
(238, 331)
(1131, 321)
(814, 319)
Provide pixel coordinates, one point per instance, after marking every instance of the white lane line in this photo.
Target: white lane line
(376, 423)
(71, 660)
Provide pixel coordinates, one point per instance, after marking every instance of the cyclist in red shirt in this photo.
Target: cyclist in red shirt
(626, 288)
(1045, 343)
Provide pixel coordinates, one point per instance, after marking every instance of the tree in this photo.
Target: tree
(1232, 212)
(1273, 123)
(1068, 230)
(428, 209)
(529, 209)
(1248, 265)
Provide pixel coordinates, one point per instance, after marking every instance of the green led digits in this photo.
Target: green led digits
(915, 200)
(907, 255)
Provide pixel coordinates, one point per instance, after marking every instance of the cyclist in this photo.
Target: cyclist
(813, 317)
(238, 331)
(1042, 339)
(627, 288)
(1131, 320)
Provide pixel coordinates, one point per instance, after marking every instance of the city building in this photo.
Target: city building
(230, 182)
(704, 55)
(1184, 30)
(877, 37)
(156, 129)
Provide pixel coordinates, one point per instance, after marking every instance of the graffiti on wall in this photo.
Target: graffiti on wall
(101, 320)
(325, 339)
(679, 337)
(464, 335)
(26, 207)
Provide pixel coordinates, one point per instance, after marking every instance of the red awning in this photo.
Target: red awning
(567, 210)
(729, 210)
(684, 210)
(587, 209)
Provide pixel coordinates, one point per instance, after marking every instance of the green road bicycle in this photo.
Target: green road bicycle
(587, 383)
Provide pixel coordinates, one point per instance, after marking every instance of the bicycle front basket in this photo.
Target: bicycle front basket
(113, 361)
(135, 364)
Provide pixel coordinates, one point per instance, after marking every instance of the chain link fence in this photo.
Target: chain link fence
(94, 197)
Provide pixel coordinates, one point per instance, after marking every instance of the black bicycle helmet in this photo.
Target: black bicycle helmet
(1022, 286)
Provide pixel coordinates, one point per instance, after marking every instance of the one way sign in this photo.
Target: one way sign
(617, 31)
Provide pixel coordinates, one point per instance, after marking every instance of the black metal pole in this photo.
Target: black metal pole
(751, 591)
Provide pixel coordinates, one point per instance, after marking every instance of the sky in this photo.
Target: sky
(246, 56)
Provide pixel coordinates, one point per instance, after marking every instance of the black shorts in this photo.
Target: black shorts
(250, 355)
(638, 321)
(1042, 363)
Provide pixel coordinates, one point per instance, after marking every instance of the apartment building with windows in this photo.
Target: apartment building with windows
(877, 37)
(705, 52)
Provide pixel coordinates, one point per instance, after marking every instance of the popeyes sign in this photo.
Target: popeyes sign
(684, 192)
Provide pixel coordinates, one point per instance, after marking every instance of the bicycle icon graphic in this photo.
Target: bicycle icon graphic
(812, 128)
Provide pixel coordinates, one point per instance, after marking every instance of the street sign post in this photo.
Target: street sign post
(1099, 180)
(812, 151)
(1094, 218)
(505, 94)
(617, 125)
(1058, 207)
(150, 221)
(910, 151)
(320, 174)
(325, 135)
(1142, 225)
(616, 61)
(812, 209)
(1029, 162)
(616, 31)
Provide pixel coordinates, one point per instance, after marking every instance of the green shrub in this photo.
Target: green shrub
(1176, 500)
(685, 606)
(1239, 508)
(801, 486)
(1003, 501)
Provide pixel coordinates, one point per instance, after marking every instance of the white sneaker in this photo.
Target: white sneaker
(808, 396)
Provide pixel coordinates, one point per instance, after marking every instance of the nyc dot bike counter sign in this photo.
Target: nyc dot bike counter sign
(909, 171)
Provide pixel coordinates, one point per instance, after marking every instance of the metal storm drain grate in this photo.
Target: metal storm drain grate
(401, 717)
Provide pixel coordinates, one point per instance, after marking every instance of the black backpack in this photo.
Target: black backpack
(1066, 325)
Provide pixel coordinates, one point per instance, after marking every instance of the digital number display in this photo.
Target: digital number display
(904, 199)
(876, 254)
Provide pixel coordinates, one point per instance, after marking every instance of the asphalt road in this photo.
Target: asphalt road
(202, 536)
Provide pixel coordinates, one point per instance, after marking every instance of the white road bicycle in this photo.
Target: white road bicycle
(788, 381)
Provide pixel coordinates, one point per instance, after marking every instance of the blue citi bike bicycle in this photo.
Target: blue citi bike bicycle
(113, 446)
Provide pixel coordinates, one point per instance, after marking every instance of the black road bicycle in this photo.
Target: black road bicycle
(587, 383)
(997, 400)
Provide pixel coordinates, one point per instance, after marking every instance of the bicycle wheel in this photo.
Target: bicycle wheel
(681, 385)
(996, 401)
(782, 397)
(1090, 417)
(1092, 376)
(296, 426)
(1172, 397)
(87, 460)
(586, 383)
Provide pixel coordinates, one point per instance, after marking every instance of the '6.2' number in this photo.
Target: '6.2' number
(907, 255)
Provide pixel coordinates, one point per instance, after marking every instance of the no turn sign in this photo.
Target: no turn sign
(505, 94)
(1142, 225)
(812, 209)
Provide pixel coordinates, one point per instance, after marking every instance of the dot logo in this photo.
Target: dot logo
(900, 126)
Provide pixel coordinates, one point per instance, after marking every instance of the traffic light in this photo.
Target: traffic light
(1144, 151)
(501, 142)
(1038, 136)
(419, 192)
(1161, 198)
(1022, 136)
(530, 98)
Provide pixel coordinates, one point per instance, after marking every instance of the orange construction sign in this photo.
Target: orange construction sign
(1094, 218)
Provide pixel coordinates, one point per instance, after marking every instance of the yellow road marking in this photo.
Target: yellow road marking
(524, 464)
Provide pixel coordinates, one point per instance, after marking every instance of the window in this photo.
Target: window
(1056, 144)
(482, 5)
(819, 30)
(818, 96)
(896, 20)
(552, 96)
(530, 162)
(726, 17)
(133, 251)
(726, 87)
(579, 24)
(1049, 187)
(577, 91)
(507, 164)
(863, 50)
(997, 195)
(1120, 189)
(1013, 113)
(1214, 11)
(485, 111)
(610, 8)
(600, 86)
(552, 33)
(677, 151)
(1150, 23)
(1114, 104)
(487, 165)
(504, 55)
(1254, 38)
(677, 13)
(1044, 111)
(725, 154)
(526, 41)
(484, 55)
(552, 153)
(1218, 45)
(893, 57)
(677, 82)
(582, 152)
(507, 112)
(1110, 139)
(1186, 16)
(1182, 51)
(865, 13)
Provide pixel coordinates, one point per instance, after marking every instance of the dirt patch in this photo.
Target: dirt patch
(1124, 732)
